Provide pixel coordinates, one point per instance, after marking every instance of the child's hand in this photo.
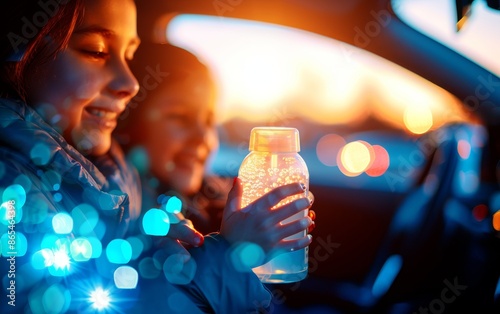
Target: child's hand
(260, 224)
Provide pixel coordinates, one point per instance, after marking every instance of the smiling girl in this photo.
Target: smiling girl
(65, 80)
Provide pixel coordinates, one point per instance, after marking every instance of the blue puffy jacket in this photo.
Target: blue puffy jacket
(64, 240)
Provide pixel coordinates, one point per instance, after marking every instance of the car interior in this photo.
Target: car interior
(400, 129)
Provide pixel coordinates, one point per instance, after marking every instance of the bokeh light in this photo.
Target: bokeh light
(81, 250)
(178, 270)
(496, 221)
(137, 246)
(479, 212)
(62, 223)
(96, 246)
(417, 119)
(125, 277)
(464, 149)
(119, 251)
(246, 255)
(148, 269)
(56, 299)
(14, 244)
(328, 148)
(380, 163)
(100, 299)
(156, 222)
(42, 259)
(40, 154)
(355, 157)
(85, 219)
(173, 205)
(15, 193)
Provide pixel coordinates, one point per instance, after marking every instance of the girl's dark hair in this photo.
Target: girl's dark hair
(26, 25)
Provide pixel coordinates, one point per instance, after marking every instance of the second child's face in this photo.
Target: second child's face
(88, 85)
(180, 133)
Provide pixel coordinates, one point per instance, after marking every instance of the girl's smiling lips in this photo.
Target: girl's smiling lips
(106, 118)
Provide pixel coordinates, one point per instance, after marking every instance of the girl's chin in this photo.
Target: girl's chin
(92, 143)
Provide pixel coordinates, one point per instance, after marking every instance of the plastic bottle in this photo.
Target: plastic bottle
(274, 161)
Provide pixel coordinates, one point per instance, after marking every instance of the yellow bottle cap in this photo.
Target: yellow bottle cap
(274, 139)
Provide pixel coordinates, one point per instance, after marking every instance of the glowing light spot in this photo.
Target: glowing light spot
(24, 181)
(125, 277)
(119, 251)
(156, 222)
(85, 219)
(40, 154)
(61, 258)
(8, 213)
(247, 255)
(14, 245)
(42, 259)
(468, 182)
(100, 299)
(57, 197)
(137, 246)
(96, 246)
(464, 149)
(56, 187)
(62, 223)
(139, 158)
(417, 119)
(380, 163)
(328, 148)
(56, 298)
(81, 250)
(174, 205)
(355, 157)
(15, 193)
(480, 212)
(496, 221)
(178, 269)
(387, 274)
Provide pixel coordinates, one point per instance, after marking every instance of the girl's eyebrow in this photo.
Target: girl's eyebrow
(95, 30)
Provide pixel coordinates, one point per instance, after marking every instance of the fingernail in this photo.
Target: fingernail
(310, 237)
(303, 186)
(312, 214)
(199, 240)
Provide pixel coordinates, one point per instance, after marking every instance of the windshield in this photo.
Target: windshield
(477, 39)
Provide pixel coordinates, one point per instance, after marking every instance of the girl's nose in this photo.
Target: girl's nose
(124, 83)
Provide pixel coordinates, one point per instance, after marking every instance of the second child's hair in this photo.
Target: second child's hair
(156, 65)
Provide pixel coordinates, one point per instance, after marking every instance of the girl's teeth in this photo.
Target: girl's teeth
(102, 113)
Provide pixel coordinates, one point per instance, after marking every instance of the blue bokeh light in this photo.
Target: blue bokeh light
(246, 255)
(119, 251)
(125, 277)
(179, 271)
(156, 222)
(62, 223)
(40, 154)
(81, 250)
(173, 205)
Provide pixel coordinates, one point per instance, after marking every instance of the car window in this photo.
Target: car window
(359, 115)
(474, 36)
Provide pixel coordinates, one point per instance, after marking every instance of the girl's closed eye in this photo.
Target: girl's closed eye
(96, 54)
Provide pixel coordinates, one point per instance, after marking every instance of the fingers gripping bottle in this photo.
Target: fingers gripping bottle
(274, 161)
